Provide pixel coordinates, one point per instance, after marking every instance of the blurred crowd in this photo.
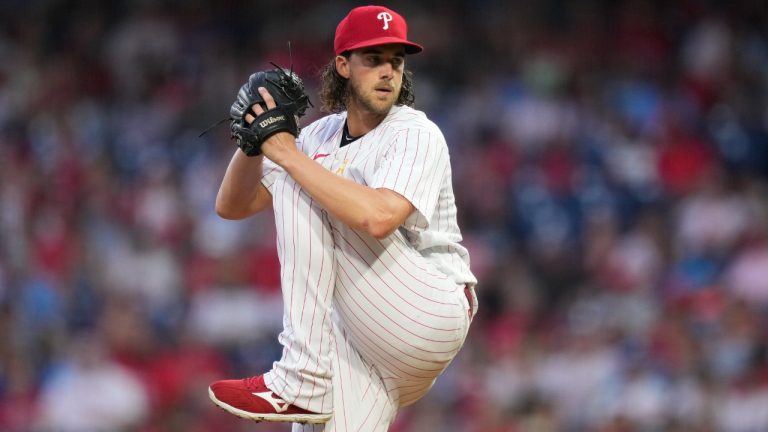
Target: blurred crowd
(610, 164)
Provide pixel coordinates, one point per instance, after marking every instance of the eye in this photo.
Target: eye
(397, 62)
(372, 60)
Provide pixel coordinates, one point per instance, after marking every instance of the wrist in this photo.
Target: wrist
(280, 149)
(289, 160)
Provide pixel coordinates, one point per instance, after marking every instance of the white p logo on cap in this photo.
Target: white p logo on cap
(386, 17)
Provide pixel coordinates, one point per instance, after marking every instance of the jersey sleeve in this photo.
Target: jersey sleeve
(414, 166)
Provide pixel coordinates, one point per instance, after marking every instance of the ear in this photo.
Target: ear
(342, 66)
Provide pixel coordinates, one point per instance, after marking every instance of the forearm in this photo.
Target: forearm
(358, 206)
(241, 193)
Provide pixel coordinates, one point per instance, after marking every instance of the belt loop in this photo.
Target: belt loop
(470, 300)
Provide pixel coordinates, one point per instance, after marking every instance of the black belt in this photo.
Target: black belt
(470, 299)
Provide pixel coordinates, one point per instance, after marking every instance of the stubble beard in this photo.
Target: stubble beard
(368, 102)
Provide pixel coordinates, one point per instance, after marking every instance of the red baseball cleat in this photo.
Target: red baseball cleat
(250, 399)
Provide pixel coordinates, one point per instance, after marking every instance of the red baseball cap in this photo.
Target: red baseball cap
(367, 26)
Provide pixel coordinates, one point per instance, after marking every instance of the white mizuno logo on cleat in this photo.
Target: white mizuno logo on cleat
(272, 400)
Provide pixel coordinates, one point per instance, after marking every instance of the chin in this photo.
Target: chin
(384, 110)
(380, 107)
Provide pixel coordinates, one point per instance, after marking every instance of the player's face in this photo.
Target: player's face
(375, 77)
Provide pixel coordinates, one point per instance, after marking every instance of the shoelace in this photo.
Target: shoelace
(251, 383)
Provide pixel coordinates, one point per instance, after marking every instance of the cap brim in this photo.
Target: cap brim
(410, 47)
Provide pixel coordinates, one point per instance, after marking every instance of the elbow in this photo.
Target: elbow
(380, 228)
(228, 212)
(380, 234)
(381, 221)
(236, 207)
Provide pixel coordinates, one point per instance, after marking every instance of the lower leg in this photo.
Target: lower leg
(361, 401)
(299, 386)
(303, 374)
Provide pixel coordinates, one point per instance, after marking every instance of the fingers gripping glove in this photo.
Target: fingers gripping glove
(291, 103)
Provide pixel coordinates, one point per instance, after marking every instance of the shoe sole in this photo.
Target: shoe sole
(293, 418)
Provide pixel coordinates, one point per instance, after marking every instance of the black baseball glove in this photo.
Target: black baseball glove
(291, 103)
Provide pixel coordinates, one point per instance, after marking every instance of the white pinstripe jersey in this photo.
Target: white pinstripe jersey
(405, 153)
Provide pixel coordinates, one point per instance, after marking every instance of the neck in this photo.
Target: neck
(360, 122)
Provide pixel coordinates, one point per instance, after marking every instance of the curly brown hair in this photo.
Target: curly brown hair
(334, 89)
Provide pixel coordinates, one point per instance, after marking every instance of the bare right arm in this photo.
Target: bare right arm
(241, 193)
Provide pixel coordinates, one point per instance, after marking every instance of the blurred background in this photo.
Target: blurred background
(611, 170)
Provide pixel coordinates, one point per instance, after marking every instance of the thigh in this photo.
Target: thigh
(403, 316)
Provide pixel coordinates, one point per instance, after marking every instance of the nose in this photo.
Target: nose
(386, 71)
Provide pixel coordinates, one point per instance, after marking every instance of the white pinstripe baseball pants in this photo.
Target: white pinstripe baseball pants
(368, 324)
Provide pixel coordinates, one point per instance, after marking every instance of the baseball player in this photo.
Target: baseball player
(378, 294)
